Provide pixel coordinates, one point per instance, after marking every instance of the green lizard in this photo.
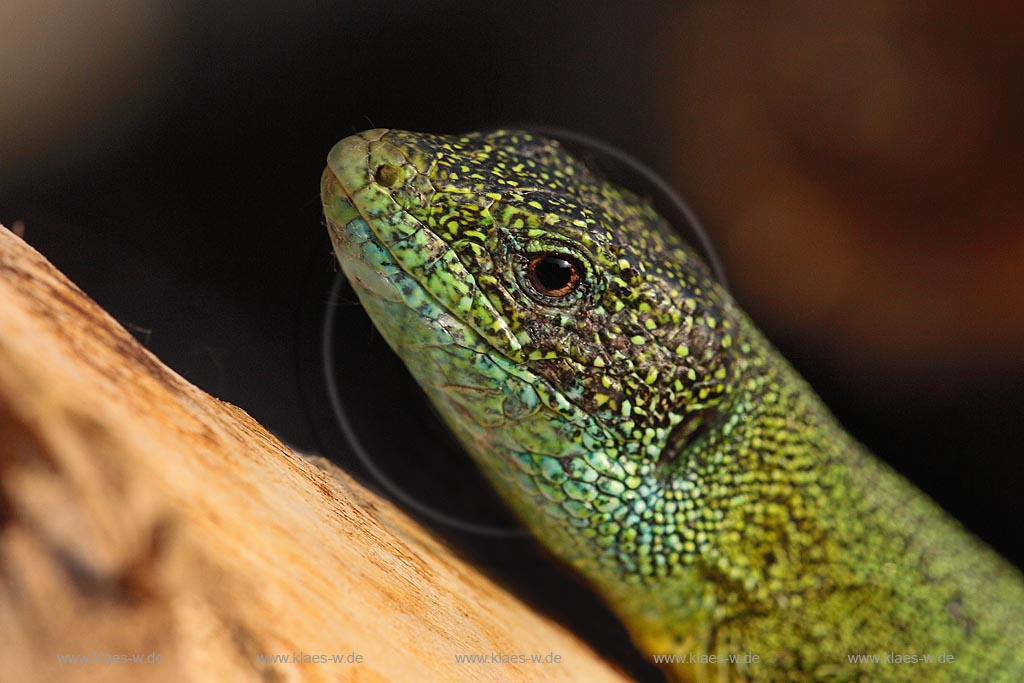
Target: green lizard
(642, 428)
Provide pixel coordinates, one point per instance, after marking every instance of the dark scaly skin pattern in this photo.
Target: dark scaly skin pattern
(647, 433)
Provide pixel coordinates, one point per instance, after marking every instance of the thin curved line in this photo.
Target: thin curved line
(347, 428)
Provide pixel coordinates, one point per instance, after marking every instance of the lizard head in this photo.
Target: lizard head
(533, 259)
(565, 332)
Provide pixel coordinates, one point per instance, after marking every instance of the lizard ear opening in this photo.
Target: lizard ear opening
(618, 167)
(683, 436)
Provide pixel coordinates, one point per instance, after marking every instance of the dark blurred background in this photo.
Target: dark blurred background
(859, 166)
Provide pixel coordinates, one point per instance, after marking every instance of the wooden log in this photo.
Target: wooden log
(149, 532)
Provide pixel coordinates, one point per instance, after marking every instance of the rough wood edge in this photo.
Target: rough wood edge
(141, 517)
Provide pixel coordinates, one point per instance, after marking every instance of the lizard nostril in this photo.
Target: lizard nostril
(386, 175)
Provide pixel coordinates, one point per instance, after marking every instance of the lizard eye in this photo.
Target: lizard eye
(554, 274)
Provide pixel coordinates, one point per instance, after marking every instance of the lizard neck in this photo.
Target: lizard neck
(760, 528)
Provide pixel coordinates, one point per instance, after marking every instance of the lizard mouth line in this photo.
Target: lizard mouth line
(375, 273)
(330, 345)
(394, 245)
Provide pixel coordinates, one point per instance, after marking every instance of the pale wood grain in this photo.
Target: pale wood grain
(141, 515)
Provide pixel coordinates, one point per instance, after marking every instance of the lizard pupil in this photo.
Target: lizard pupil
(554, 274)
